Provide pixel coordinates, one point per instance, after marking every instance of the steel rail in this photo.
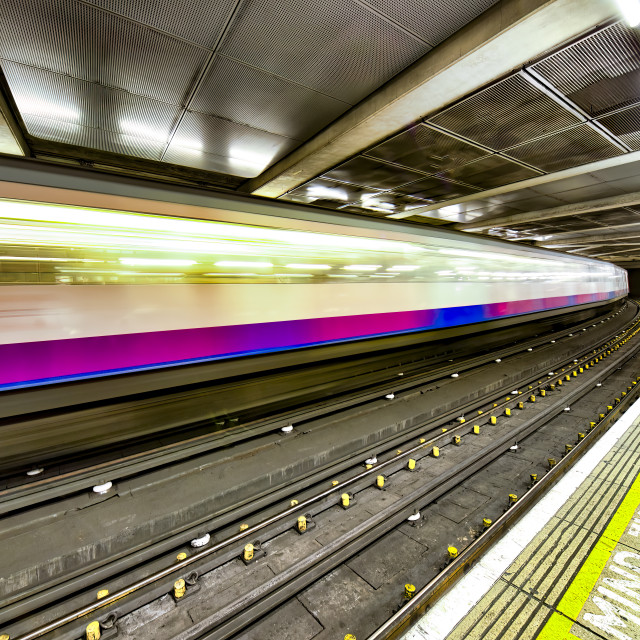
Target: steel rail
(23, 495)
(17, 606)
(412, 610)
(238, 537)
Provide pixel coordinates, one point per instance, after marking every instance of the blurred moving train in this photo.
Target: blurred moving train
(98, 283)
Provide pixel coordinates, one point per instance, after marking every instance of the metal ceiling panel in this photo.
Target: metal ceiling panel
(565, 149)
(236, 91)
(338, 48)
(612, 217)
(609, 232)
(200, 21)
(76, 39)
(333, 190)
(215, 144)
(572, 223)
(67, 100)
(600, 72)
(371, 173)
(432, 20)
(435, 188)
(625, 124)
(505, 114)
(390, 202)
(426, 149)
(491, 171)
(93, 138)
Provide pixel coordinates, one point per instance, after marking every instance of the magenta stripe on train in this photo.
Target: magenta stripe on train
(71, 358)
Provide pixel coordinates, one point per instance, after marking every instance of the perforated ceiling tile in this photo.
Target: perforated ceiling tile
(600, 72)
(82, 41)
(435, 188)
(572, 223)
(236, 91)
(612, 217)
(220, 145)
(433, 20)
(92, 138)
(569, 148)
(69, 100)
(323, 189)
(426, 149)
(489, 172)
(392, 202)
(626, 125)
(371, 173)
(605, 233)
(337, 47)
(200, 21)
(505, 114)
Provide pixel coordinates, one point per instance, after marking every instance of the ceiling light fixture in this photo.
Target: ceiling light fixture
(630, 10)
(319, 267)
(362, 267)
(239, 263)
(155, 262)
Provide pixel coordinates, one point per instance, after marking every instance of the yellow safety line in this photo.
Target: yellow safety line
(559, 624)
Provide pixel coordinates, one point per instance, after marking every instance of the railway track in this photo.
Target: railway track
(433, 478)
(63, 476)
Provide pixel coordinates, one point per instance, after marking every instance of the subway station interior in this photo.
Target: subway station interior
(320, 320)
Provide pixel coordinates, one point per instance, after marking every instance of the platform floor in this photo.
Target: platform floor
(569, 569)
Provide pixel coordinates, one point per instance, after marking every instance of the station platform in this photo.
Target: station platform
(569, 569)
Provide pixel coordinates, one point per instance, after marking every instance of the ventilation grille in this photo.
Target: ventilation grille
(71, 101)
(599, 73)
(81, 41)
(238, 92)
(93, 138)
(371, 173)
(246, 151)
(432, 20)
(335, 47)
(436, 189)
(427, 150)
(489, 172)
(625, 125)
(569, 148)
(505, 114)
(200, 21)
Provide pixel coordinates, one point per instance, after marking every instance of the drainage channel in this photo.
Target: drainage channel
(289, 582)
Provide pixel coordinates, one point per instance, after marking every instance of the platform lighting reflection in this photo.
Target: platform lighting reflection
(318, 267)
(240, 263)
(362, 267)
(131, 128)
(185, 234)
(187, 144)
(46, 109)
(247, 161)
(630, 10)
(332, 193)
(404, 267)
(156, 262)
(119, 273)
(46, 259)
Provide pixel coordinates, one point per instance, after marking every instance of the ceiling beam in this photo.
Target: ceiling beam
(585, 240)
(502, 39)
(573, 209)
(568, 236)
